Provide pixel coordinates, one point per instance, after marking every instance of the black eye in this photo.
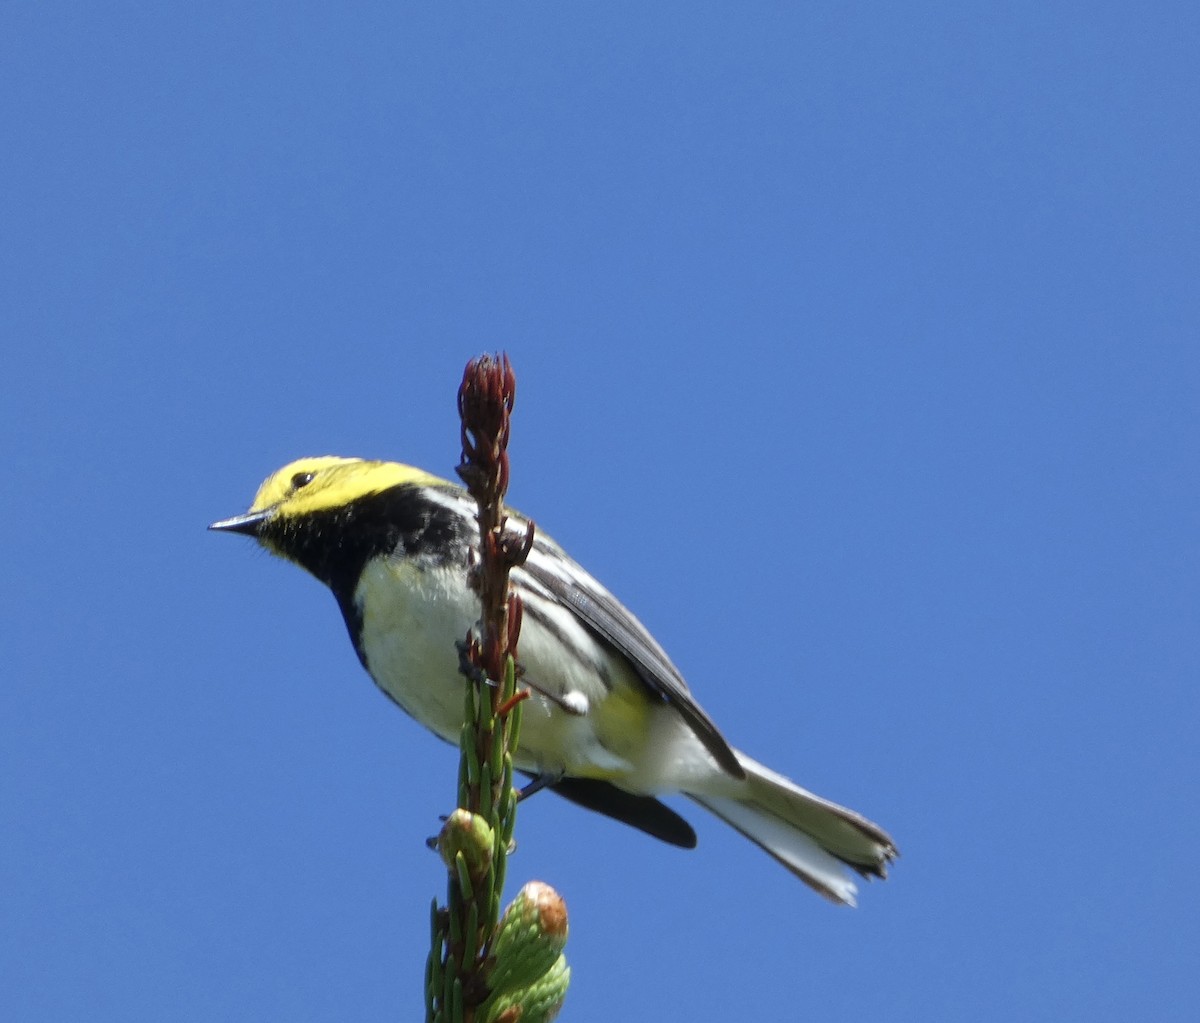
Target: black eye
(301, 479)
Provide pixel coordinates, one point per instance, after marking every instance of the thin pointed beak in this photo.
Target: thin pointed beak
(248, 524)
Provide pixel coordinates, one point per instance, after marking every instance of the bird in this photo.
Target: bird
(610, 724)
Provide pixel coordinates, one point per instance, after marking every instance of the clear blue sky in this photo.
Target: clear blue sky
(859, 353)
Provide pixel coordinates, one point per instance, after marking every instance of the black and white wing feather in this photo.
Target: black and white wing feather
(601, 612)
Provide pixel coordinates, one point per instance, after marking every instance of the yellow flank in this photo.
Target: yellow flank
(310, 485)
(621, 722)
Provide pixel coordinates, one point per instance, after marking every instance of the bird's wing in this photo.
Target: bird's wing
(642, 812)
(612, 621)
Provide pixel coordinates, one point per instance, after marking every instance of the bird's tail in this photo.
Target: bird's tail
(814, 838)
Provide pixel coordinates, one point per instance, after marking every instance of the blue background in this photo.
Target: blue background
(857, 349)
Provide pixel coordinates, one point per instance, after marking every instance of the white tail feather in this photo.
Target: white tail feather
(814, 838)
(794, 849)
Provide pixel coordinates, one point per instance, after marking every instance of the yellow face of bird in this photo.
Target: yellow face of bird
(296, 503)
(310, 485)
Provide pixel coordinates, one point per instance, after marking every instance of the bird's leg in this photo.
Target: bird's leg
(537, 783)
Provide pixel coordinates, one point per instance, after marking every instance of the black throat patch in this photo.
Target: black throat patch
(335, 544)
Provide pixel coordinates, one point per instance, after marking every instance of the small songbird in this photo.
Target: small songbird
(610, 725)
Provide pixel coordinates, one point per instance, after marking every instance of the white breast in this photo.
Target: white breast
(411, 621)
